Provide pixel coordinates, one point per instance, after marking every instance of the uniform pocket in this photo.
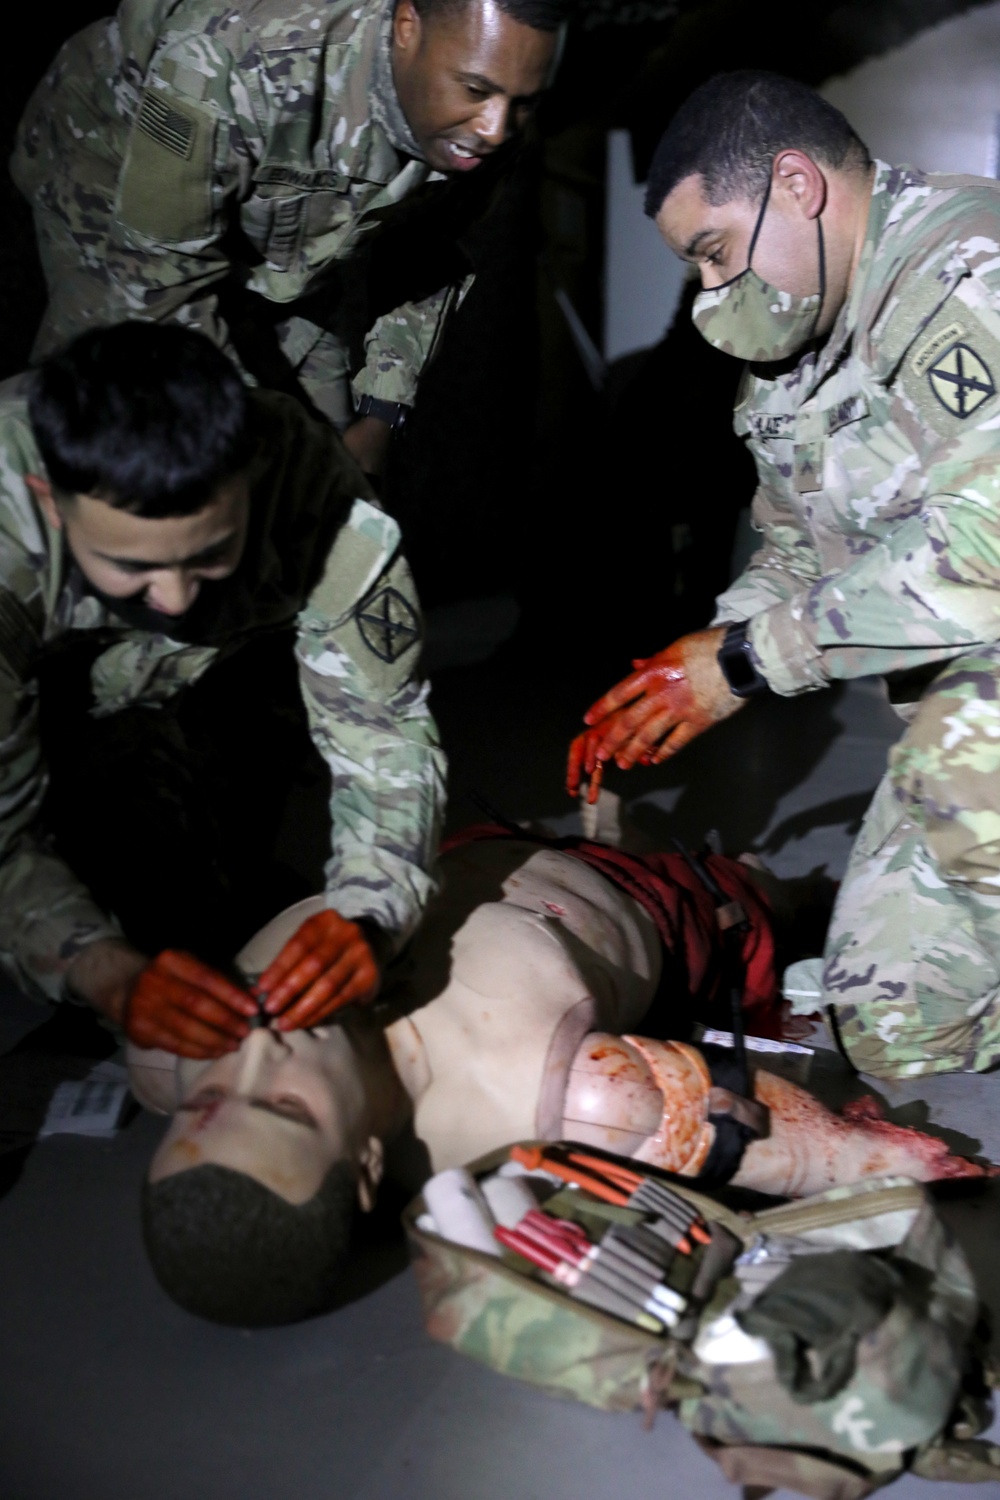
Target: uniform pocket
(165, 190)
(284, 237)
(272, 222)
(290, 206)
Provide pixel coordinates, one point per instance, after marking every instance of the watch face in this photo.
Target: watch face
(737, 665)
(740, 669)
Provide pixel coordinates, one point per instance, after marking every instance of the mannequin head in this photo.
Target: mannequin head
(248, 1205)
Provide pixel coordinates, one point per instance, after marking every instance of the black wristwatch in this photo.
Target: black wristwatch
(394, 413)
(738, 666)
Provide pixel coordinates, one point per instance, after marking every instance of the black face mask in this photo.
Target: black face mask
(195, 626)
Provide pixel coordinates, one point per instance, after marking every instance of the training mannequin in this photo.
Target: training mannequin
(511, 1019)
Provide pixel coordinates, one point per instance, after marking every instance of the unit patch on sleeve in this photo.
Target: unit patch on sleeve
(388, 624)
(961, 380)
(940, 339)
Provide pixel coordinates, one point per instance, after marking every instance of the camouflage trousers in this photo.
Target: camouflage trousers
(912, 961)
(291, 353)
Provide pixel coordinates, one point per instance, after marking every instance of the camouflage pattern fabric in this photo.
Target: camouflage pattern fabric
(879, 498)
(909, 1369)
(491, 1311)
(522, 1328)
(912, 963)
(318, 554)
(183, 144)
(891, 1413)
(968, 1461)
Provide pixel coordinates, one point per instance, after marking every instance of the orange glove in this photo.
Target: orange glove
(653, 713)
(327, 963)
(188, 1008)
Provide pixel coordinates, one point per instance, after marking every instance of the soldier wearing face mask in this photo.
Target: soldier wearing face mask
(228, 165)
(865, 299)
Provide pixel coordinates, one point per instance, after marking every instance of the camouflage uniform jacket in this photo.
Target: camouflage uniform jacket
(316, 556)
(878, 456)
(261, 139)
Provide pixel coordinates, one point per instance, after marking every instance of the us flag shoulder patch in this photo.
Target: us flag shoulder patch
(166, 125)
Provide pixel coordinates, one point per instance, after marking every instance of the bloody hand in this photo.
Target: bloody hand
(653, 713)
(327, 963)
(188, 1008)
(583, 762)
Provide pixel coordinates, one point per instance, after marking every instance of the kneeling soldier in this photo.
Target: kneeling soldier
(179, 534)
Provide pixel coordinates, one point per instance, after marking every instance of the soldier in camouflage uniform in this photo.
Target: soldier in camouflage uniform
(183, 154)
(291, 540)
(866, 299)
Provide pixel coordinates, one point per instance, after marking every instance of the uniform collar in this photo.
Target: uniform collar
(385, 106)
(818, 363)
(885, 189)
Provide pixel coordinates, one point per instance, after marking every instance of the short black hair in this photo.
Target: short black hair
(729, 131)
(151, 418)
(226, 1248)
(540, 15)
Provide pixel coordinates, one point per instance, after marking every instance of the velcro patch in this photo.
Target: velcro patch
(808, 467)
(388, 624)
(165, 125)
(936, 345)
(764, 424)
(961, 380)
(165, 187)
(850, 409)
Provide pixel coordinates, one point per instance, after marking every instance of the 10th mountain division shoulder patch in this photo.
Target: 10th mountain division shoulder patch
(961, 380)
(388, 624)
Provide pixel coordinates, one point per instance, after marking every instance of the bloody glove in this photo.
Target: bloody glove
(583, 762)
(186, 1007)
(327, 963)
(652, 714)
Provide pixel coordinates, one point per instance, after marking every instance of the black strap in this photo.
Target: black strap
(732, 1136)
(733, 954)
(729, 1069)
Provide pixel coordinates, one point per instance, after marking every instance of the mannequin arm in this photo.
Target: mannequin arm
(651, 1100)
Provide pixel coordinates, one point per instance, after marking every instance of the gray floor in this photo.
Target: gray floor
(110, 1393)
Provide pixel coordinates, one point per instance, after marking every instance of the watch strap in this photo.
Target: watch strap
(394, 413)
(737, 664)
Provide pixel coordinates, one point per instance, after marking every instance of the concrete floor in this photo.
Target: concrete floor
(111, 1393)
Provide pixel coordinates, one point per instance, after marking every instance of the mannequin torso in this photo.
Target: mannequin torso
(505, 1023)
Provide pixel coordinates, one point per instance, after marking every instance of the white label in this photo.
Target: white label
(91, 1106)
(754, 1043)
